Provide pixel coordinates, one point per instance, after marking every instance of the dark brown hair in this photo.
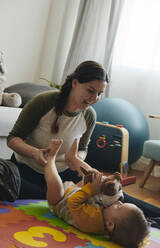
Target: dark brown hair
(131, 231)
(85, 72)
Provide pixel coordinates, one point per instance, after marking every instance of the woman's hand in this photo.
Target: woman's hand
(39, 156)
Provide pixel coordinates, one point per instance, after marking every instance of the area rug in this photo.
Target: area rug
(30, 224)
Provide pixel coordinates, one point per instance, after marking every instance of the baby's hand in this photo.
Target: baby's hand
(97, 181)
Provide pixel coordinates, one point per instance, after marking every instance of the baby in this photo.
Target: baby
(123, 223)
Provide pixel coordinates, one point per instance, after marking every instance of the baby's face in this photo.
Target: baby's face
(118, 209)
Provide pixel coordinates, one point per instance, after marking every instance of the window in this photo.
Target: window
(138, 37)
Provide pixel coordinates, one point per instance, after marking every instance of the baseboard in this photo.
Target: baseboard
(142, 164)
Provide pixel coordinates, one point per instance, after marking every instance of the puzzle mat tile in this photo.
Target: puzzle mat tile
(30, 224)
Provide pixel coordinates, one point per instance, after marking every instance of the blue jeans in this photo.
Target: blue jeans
(149, 210)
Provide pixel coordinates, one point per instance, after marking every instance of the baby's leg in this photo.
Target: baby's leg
(55, 189)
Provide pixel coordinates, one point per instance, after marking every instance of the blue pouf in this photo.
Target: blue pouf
(122, 112)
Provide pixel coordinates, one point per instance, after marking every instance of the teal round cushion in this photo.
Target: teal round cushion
(151, 149)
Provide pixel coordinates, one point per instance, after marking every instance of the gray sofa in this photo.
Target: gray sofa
(9, 115)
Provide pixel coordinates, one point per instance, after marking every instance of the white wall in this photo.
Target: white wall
(141, 87)
(22, 32)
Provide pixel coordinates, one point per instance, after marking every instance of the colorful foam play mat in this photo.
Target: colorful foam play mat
(30, 224)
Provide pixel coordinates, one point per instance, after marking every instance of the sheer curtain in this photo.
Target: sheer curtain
(86, 30)
(94, 33)
(136, 62)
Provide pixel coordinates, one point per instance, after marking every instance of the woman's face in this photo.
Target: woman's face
(86, 94)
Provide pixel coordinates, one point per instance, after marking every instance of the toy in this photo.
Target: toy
(7, 99)
(116, 149)
(2, 75)
(2, 68)
(117, 142)
(122, 112)
(128, 180)
(109, 145)
(110, 190)
(11, 100)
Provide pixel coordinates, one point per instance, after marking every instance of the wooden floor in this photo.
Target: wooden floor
(151, 191)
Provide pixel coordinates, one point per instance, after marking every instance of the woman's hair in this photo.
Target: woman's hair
(130, 231)
(85, 72)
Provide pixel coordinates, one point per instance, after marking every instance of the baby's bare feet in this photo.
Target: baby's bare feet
(71, 155)
(72, 152)
(54, 147)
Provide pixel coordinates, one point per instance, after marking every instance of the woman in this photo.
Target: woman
(65, 115)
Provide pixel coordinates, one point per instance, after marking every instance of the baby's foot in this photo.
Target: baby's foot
(54, 147)
(72, 152)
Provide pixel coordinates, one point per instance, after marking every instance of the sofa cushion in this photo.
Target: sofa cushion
(8, 116)
(27, 90)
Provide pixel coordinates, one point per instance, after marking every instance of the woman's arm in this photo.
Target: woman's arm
(19, 146)
(74, 161)
(27, 121)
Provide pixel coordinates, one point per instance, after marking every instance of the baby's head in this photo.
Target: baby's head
(125, 224)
